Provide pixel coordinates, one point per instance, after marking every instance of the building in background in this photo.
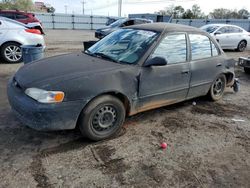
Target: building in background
(44, 7)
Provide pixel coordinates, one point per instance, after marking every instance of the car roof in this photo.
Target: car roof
(221, 25)
(166, 27)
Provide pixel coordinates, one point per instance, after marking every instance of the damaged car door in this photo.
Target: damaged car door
(165, 84)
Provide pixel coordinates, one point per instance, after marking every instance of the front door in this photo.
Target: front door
(162, 85)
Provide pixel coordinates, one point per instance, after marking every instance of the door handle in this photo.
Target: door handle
(185, 72)
(219, 65)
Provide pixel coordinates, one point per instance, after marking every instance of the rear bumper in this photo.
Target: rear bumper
(43, 116)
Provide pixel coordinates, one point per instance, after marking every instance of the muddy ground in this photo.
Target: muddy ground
(206, 147)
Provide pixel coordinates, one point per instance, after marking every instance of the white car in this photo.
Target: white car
(13, 34)
(229, 36)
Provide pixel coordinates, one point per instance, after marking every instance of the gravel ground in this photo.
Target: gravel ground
(206, 146)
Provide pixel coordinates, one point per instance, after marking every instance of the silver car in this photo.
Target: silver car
(14, 34)
(229, 36)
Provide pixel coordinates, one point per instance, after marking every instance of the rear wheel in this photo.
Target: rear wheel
(11, 52)
(242, 46)
(102, 118)
(217, 88)
(247, 70)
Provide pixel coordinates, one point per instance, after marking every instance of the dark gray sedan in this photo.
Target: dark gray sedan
(131, 70)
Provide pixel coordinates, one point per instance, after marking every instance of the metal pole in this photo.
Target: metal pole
(66, 9)
(83, 7)
(119, 8)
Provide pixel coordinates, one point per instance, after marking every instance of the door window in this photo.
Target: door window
(173, 48)
(200, 46)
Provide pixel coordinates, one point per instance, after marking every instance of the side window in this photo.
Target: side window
(235, 30)
(200, 46)
(224, 30)
(214, 49)
(173, 48)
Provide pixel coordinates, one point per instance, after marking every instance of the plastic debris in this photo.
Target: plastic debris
(238, 120)
(164, 145)
(194, 103)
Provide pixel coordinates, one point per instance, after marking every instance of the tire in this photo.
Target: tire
(11, 52)
(242, 46)
(217, 88)
(102, 118)
(247, 70)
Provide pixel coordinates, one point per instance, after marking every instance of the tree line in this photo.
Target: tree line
(196, 13)
(22, 5)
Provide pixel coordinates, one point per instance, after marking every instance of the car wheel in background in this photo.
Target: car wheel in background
(217, 88)
(247, 70)
(102, 118)
(242, 46)
(11, 52)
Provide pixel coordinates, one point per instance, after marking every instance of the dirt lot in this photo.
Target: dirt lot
(206, 147)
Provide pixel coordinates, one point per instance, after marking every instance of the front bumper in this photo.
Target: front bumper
(244, 62)
(58, 116)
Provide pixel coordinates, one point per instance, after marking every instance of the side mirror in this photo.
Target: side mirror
(217, 33)
(156, 61)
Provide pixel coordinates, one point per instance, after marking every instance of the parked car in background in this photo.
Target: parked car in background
(110, 21)
(23, 17)
(229, 36)
(133, 69)
(102, 32)
(13, 34)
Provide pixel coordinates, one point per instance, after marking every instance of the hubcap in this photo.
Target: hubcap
(104, 118)
(242, 46)
(218, 87)
(13, 53)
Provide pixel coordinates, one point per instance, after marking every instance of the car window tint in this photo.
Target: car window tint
(173, 48)
(8, 15)
(214, 49)
(235, 30)
(21, 16)
(200, 46)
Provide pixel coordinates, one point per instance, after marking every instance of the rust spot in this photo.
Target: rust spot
(152, 105)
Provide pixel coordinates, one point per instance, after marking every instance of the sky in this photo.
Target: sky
(110, 7)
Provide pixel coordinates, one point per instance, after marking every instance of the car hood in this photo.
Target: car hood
(60, 68)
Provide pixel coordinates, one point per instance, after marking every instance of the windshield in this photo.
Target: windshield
(124, 45)
(12, 21)
(210, 29)
(117, 23)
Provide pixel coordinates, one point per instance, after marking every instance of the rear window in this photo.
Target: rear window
(21, 16)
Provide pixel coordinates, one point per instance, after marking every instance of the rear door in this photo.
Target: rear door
(3, 31)
(162, 85)
(206, 64)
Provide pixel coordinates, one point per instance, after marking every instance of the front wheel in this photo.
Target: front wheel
(217, 88)
(102, 118)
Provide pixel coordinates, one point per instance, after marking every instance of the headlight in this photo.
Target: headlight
(45, 96)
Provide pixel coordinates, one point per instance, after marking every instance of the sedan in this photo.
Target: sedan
(102, 32)
(229, 36)
(13, 35)
(132, 70)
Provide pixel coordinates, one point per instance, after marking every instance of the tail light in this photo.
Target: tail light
(34, 31)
